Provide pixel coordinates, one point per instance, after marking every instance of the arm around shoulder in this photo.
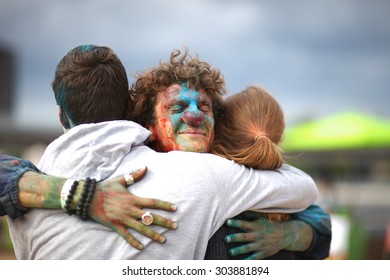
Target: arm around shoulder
(288, 189)
(284, 190)
(300, 183)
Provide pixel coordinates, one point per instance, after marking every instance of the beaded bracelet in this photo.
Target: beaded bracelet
(69, 199)
(83, 197)
(88, 200)
(65, 191)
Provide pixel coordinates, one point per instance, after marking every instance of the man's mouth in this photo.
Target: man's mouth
(193, 132)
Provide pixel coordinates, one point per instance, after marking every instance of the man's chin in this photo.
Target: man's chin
(196, 143)
(194, 149)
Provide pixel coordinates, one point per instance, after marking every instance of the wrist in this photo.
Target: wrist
(301, 236)
(72, 188)
(76, 196)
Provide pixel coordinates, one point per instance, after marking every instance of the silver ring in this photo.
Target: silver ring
(129, 179)
(147, 218)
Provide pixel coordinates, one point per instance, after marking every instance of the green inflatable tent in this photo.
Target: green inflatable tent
(343, 131)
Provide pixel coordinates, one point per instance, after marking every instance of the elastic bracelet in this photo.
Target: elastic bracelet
(69, 198)
(65, 191)
(88, 200)
(80, 206)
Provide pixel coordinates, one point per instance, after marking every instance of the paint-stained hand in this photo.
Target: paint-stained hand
(265, 238)
(113, 206)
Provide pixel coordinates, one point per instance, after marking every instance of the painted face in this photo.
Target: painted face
(183, 120)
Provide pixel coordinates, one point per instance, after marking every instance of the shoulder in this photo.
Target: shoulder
(193, 158)
(193, 163)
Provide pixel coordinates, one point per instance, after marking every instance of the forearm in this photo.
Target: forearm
(40, 191)
(317, 218)
(299, 186)
(11, 170)
(288, 190)
(37, 190)
(111, 204)
(320, 222)
(23, 186)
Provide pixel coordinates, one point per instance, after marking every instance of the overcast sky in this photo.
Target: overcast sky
(316, 57)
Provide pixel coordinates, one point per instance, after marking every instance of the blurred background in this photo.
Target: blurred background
(327, 62)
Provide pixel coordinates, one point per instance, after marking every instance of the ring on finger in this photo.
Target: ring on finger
(147, 218)
(129, 179)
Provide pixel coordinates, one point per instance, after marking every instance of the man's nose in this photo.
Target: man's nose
(193, 117)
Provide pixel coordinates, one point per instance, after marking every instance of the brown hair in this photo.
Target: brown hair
(252, 128)
(91, 85)
(181, 68)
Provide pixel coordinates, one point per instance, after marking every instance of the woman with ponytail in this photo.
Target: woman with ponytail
(250, 134)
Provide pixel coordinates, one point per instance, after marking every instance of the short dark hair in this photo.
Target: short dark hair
(91, 85)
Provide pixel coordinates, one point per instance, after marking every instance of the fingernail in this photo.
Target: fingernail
(232, 252)
(140, 247)
(228, 239)
(163, 239)
(174, 207)
(228, 222)
(174, 225)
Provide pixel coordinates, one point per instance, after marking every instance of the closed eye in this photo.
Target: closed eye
(178, 107)
(205, 107)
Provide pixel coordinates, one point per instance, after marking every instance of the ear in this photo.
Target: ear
(63, 118)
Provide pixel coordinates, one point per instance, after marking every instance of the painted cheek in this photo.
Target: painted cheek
(209, 124)
(209, 120)
(166, 137)
(175, 123)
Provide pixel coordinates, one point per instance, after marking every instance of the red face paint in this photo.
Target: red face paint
(183, 120)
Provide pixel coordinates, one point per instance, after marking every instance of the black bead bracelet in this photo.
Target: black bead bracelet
(69, 198)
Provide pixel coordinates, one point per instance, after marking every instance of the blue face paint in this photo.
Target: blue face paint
(192, 115)
(184, 120)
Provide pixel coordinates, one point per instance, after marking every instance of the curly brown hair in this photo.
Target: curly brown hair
(181, 68)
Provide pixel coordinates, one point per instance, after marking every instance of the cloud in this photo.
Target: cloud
(326, 55)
